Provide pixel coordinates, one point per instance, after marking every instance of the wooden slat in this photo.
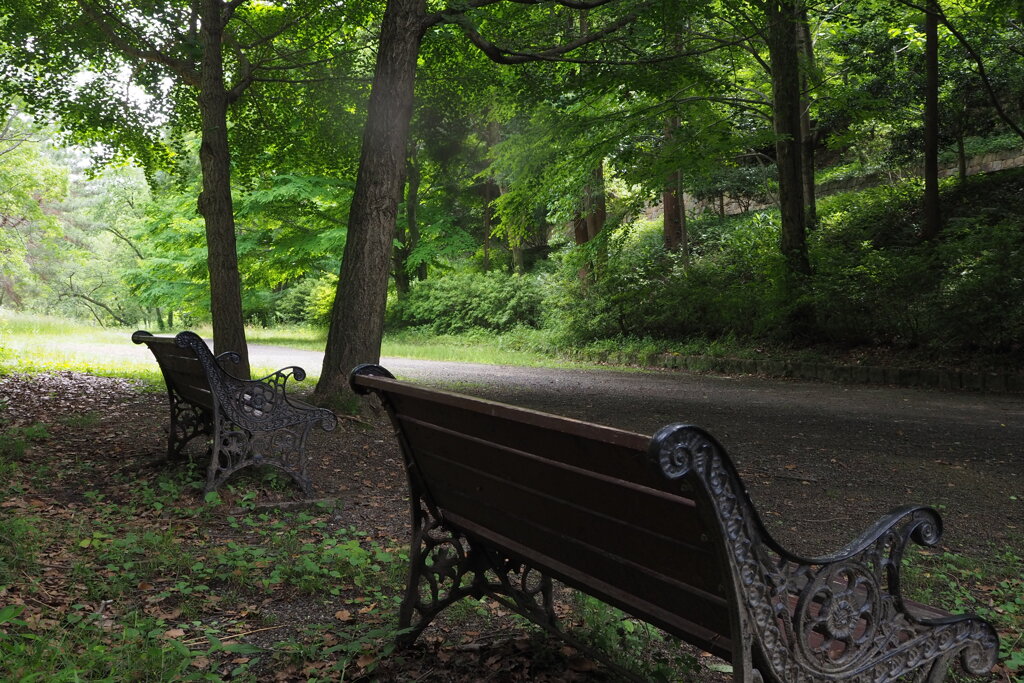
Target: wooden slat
(595, 571)
(525, 511)
(627, 505)
(713, 639)
(182, 371)
(610, 452)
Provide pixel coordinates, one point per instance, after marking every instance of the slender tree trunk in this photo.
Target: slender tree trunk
(579, 229)
(932, 219)
(807, 132)
(215, 199)
(961, 156)
(595, 203)
(412, 211)
(357, 318)
(489, 191)
(676, 237)
(409, 236)
(783, 22)
(518, 265)
(671, 228)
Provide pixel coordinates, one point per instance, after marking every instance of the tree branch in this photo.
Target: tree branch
(121, 236)
(978, 61)
(552, 53)
(185, 69)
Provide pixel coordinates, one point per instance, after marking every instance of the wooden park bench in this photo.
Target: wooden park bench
(505, 499)
(246, 422)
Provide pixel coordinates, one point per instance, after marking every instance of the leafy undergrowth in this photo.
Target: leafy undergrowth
(992, 588)
(151, 585)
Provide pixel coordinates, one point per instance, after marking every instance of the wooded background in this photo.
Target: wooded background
(563, 172)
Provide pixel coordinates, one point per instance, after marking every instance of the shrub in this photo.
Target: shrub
(467, 301)
(308, 301)
(634, 288)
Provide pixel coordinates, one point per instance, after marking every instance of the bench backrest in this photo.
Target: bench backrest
(579, 501)
(181, 367)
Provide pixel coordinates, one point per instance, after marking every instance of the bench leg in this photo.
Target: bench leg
(441, 572)
(446, 567)
(187, 422)
(235, 448)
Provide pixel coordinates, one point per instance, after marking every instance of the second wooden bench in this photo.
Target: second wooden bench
(246, 422)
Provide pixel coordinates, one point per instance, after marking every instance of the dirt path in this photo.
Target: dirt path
(823, 460)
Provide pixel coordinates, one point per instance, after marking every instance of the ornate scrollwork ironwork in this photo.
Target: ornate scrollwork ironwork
(447, 566)
(187, 422)
(839, 617)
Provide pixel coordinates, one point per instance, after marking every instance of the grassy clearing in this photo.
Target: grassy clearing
(39, 343)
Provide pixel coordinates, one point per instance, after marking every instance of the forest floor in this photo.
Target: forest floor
(821, 463)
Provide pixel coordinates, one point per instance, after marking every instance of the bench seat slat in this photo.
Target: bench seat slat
(585, 505)
(658, 612)
(575, 523)
(600, 449)
(545, 548)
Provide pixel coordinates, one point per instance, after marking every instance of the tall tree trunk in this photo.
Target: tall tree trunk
(961, 156)
(783, 23)
(932, 219)
(357, 318)
(672, 228)
(410, 235)
(215, 199)
(595, 203)
(412, 212)
(489, 191)
(807, 132)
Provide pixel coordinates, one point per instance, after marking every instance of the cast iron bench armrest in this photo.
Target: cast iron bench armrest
(247, 422)
(504, 499)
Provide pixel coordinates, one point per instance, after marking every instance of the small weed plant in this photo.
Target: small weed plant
(631, 643)
(992, 589)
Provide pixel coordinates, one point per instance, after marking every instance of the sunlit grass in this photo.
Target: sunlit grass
(38, 343)
(35, 343)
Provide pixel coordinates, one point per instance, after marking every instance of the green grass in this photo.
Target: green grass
(991, 587)
(145, 579)
(38, 343)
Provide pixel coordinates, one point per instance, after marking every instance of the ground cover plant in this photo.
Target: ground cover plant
(118, 573)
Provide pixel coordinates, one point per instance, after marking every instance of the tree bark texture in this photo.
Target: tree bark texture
(932, 220)
(674, 218)
(783, 25)
(410, 235)
(215, 203)
(807, 133)
(595, 204)
(357, 318)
